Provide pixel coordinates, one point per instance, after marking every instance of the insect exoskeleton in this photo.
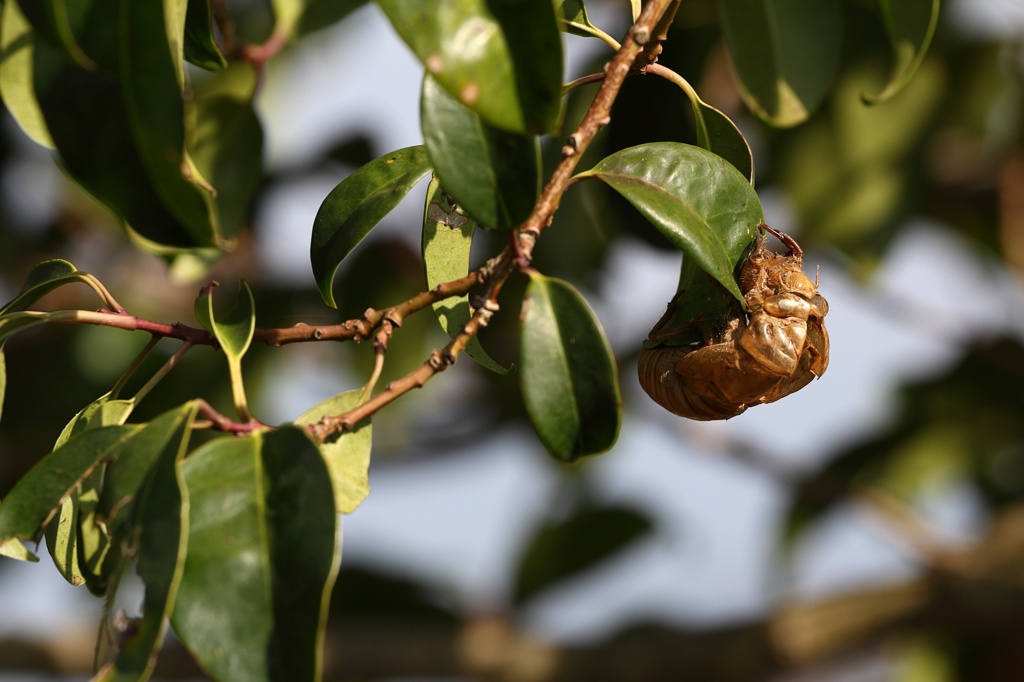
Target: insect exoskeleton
(776, 348)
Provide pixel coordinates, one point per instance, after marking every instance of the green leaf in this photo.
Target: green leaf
(228, 142)
(356, 205)
(785, 54)
(705, 207)
(200, 47)
(911, 25)
(12, 323)
(17, 52)
(347, 455)
(572, 18)
(163, 516)
(67, 537)
(85, 114)
(41, 280)
(502, 59)
(3, 380)
(152, 77)
(13, 549)
(447, 238)
(494, 175)
(563, 549)
(36, 497)
(568, 376)
(234, 334)
(262, 557)
(67, 25)
(320, 14)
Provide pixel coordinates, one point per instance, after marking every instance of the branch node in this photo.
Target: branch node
(641, 34)
(318, 334)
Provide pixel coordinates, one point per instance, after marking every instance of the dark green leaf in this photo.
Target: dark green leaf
(17, 56)
(718, 134)
(85, 114)
(262, 557)
(65, 24)
(200, 47)
(356, 205)
(163, 516)
(785, 54)
(153, 78)
(62, 540)
(492, 174)
(447, 238)
(567, 373)
(911, 25)
(3, 380)
(228, 143)
(320, 14)
(347, 455)
(41, 280)
(572, 18)
(705, 207)
(560, 550)
(501, 58)
(37, 496)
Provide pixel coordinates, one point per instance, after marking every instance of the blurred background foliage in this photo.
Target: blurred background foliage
(949, 148)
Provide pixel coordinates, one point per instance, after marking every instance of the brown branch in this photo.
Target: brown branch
(351, 330)
(219, 422)
(520, 251)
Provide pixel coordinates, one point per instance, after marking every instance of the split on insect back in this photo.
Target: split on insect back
(715, 369)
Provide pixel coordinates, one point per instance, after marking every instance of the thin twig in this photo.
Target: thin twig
(162, 372)
(116, 390)
(526, 235)
(219, 422)
(580, 82)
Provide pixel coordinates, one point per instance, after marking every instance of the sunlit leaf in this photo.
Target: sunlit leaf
(356, 205)
(567, 373)
(698, 200)
(562, 549)
(12, 323)
(14, 549)
(785, 54)
(17, 52)
(572, 18)
(262, 557)
(234, 334)
(911, 25)
(501, 59)
(200, 47)
(493, 174)
(347, 454)
(41, 280)
(35, 498)
(163, 516)
(447, 238)
(152, 77)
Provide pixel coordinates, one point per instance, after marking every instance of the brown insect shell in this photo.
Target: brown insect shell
(778, 351)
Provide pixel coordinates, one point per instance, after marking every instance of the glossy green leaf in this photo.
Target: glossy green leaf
(447, 238)
(347, 455)
(228, 143)
(85, 114)
(38, 495)
(262, 557)
(718, 134)
(200, 47)
(563, 549)
(494, 175)
(356, 205)
(785, 54)
(162, 517)
(152, 77)
(568, 376)
(910, 25)
(41, 280)
(65, 535)
(503, 59)
(698, 200)
(3, 380)
(572, 18)
(17, 53)
(234, 334)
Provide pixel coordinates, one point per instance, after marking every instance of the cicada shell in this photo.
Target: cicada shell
(776, 348)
